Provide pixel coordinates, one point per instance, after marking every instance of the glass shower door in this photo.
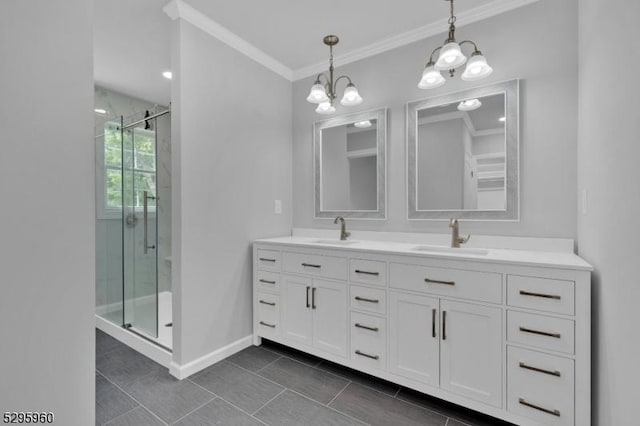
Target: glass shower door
(140, 230)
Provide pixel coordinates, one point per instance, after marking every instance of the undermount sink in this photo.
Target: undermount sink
(335, 242)
(452, 250)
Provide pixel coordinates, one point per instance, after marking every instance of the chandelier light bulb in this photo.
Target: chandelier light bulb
(431, 78)
(325, 108)
(477, 68)
(351, 96)
(318, 94)
(469, 105)
(450, 57)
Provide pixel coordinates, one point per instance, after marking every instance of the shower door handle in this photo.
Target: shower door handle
(145, 207)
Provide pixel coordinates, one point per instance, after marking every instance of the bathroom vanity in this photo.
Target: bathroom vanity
(504, 332)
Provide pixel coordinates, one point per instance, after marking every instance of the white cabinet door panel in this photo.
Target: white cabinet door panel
(471, 351)
(296, 309)
(329, 306)
(414, 337)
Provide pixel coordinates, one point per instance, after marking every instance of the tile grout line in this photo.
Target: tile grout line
(302, 395)
(230, 403)
(398, 392)
(119, 415)
(338, 394)
(269, 401)
(126, 393)
(197, 408)
(326, 406)
(424, 408)
(260, 369)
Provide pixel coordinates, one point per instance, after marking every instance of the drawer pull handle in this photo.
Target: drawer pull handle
(433, 323)
(430, 281)
(364, 299)
(541, 333)
(545, 296)
(267, 303)
(540, 370)
(366, 327)
(267, 324)
(264, 259)
(308, 304)
(266, 281)
(535, 407)
(311, 265)
(358, 271)
(376, 357)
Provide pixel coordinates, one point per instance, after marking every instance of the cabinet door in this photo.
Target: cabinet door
(471, 351)
(330, 322)
(414, 337)
(296, 309)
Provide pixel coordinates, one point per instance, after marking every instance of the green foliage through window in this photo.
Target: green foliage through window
(130, 166)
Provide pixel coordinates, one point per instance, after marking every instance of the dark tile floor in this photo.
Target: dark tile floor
(267, 385)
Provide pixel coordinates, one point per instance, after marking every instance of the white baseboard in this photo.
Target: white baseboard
(146, 348)
(190, 368)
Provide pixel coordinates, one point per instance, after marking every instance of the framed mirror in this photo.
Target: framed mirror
(462, 155)
(350, 165)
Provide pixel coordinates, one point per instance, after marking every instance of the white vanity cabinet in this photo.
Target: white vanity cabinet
(507, 334)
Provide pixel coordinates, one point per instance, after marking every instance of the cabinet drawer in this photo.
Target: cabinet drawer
(315, 265)
(269, 281)
(369, 299)
(268, 320)
(541, 294)
(368, 341)
(555, 334)
(268, 260)
(540, 386)
(482, 286)
(368, 272)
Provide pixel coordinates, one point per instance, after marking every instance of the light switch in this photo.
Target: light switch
(277, 207)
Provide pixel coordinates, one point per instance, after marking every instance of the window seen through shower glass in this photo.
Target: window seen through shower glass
(139, 157)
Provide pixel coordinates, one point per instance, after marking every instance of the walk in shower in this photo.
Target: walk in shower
(133, 226)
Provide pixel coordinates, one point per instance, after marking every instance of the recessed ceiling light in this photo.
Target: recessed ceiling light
(100, 111)
(167, 74)
(469, 105)
(503, 119)
(362, 124)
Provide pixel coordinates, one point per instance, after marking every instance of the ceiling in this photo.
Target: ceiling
(132, 38)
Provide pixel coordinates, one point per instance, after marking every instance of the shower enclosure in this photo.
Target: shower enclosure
(132, 227)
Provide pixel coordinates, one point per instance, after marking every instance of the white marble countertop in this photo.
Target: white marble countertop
(551, 259)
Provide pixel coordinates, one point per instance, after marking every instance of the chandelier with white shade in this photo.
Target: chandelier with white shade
(451, 58)
(323, 93)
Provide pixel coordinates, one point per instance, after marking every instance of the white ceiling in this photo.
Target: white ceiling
(132, 38)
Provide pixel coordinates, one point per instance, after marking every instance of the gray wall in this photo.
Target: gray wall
(47, 217)
(231, 158)
(536, 43)
(608, 234)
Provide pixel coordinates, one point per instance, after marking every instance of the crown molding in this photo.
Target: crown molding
(494, 8)
(178, 9)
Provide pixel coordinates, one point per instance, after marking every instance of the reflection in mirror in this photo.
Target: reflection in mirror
(463, 154)
(349, 160)
(461, 149)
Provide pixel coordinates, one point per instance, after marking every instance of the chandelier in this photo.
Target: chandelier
(451, 57)
(324, 93)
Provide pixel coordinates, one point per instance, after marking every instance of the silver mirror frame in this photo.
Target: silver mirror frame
(381, 212)
(512, 212)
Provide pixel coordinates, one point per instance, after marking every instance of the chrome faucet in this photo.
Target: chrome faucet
(456, 239)
(343, 228)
